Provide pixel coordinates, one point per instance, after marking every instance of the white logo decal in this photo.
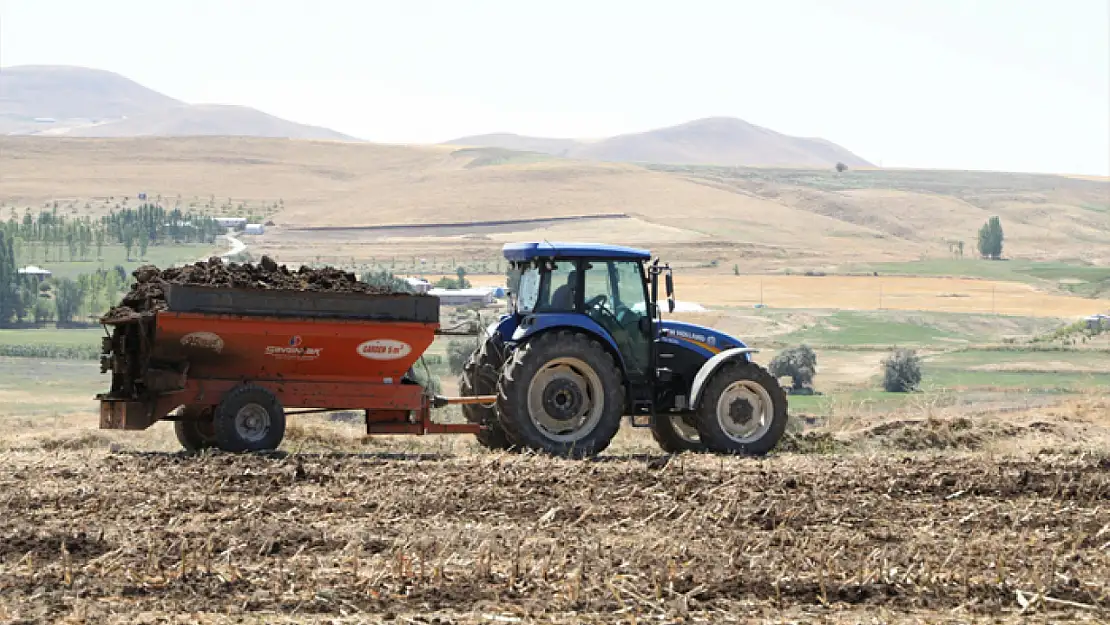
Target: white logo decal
(204, 340)
(384, 349)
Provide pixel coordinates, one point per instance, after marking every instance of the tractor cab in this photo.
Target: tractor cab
(602, 289)
(585, 344)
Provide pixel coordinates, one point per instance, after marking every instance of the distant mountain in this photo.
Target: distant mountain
(189, 120)
(710, 141)
(83, 102)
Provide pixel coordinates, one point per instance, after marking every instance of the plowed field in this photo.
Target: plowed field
(96, 536)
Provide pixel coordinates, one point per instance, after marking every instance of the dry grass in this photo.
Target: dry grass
(897, 293)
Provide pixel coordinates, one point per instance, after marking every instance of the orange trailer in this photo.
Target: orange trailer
(224, 364)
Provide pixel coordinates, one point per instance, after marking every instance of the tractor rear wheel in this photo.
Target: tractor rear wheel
(742, 411)
(194, 428)
(249, 418)
(676, 433)
(479, 377)
(561, 394)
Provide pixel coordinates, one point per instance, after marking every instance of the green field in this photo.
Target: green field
(160, 255)
(52, 336)
(849, 328)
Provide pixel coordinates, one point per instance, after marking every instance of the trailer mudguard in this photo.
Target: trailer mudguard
(712, 365)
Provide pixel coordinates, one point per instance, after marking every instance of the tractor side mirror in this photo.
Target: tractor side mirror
(670, 291)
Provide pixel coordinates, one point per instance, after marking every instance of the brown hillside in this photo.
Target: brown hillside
(787, 216)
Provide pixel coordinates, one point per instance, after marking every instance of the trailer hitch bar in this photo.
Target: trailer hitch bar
(439, 401)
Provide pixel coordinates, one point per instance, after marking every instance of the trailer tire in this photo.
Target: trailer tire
(194, 428)
(566, 372)
(725, 411)
(479, 377)
(249, 418)
(675, 438)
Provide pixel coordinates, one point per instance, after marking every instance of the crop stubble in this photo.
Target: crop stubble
(930, 538)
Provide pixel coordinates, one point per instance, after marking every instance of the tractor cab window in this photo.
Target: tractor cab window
(616, 299)
(559, 288)
(525, 286)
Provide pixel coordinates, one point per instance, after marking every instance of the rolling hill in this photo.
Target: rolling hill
(84, 102)
(710, 141)
(335, 196)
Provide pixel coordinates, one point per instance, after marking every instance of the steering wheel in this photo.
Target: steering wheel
(597, 301)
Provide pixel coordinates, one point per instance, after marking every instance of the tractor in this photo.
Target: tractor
(584, 345)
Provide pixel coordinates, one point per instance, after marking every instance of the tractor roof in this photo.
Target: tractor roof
(530, 251)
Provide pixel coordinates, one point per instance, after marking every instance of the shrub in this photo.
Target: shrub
(457, 354)
(429, 381)
(901, 371)
(387, 280)
(800, 363)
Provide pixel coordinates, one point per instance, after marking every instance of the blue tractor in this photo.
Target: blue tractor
(584, 345)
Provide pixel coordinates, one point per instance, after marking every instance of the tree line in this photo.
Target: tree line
(26, 298)
(57, 236)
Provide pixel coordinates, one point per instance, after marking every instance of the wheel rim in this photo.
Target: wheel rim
(684, 429)
(744, 411)
(252, 423)
(565, 400)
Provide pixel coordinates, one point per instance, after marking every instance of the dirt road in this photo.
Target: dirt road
(481, 538)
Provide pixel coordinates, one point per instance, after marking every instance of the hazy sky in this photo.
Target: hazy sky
(1020, 85)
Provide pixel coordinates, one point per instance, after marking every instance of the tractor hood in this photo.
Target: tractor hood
(699, 338)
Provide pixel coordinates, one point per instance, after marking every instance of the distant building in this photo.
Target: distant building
(1098, 322)
(253, 229)
(38, 273)
(463, 297)
(419, 285)
(231, 222)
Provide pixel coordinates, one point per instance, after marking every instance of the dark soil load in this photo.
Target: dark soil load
(147, 294)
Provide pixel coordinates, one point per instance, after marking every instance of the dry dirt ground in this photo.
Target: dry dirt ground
(950, 520)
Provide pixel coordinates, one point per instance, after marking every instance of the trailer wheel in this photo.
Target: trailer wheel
(194, 428)
(676, 434)
(561, 394)
(479, 377)
(743, 411)
(249, 418)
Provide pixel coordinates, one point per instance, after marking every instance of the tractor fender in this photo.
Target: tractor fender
(710, 367)
(535, 324)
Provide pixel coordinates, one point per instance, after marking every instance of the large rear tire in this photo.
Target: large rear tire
(249, 418)
(742, 411)
(194, 428)
(561, 394)
(479, 377)
(676, 434)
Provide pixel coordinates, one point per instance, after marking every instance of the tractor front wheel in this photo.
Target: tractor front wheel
(561, 394)
(676, 433)
(742, 411)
